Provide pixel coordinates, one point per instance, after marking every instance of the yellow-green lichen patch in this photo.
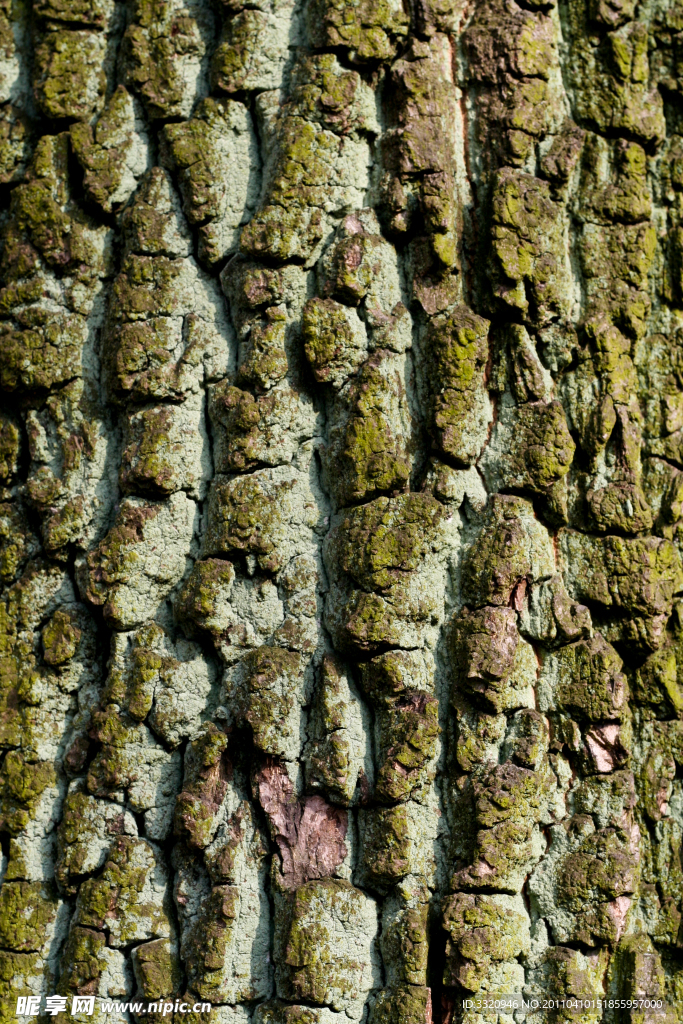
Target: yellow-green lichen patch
(266, 514)
(157, 969)
(266, 430)
(69, 79)
(512, 57)
(395, 673)
(578, 973)
(252, 50)
(83, 961)
(658, 683)
(336, 749)
(153, 225)
(378, 543)
(239, 844)
(396, 842)
(61, 637)
(18, 543)
(163, 47)
(9, 447)
(45, 353)
(214, 154)
(636, 578)
(589, 878)
(94, 13)
(408, 730)
(334, 340)
(86, 831)
(387, 545)
(410, 1004)
(262, 361)
(456, 355)
(403, 616)
(405, 933)
(134, 565)
(166, 328)
(585, 679)
(369, 32)
(528, 263)
(130, 759)
(352, 263)
(208, 585)
(127, 897)
(152, 678)
(329, 952)
(166, 450)
(22, 783)
(625, 197)
(508, 802)
(368, 447)
(112, 154)
(318, 164)
(619, 507)
(616, 262)
(612, 80)
(267, 690)
(482, 930)
(531, 450)
(15, 141)
(637, 967)
(27, 916)
(226, 947)
(207, 772)
(512, 546)
(21, 974)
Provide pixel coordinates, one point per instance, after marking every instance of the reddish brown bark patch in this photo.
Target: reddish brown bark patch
(309, 833)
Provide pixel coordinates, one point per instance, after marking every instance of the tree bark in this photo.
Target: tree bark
(341, 453)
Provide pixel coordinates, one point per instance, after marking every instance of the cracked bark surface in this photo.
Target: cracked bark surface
(341, 466)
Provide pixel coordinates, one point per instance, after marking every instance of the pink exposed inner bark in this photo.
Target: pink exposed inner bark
(309, 832)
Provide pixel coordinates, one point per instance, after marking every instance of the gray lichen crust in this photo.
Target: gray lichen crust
(341, 506)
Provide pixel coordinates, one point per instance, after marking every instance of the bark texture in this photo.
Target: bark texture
(341, 453)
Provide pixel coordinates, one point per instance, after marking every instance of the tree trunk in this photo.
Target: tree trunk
(341, 446)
